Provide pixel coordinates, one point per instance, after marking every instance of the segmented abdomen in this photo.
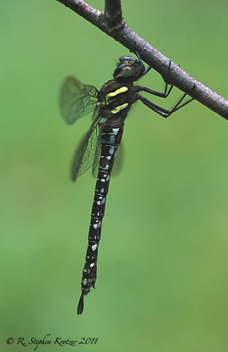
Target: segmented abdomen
(110, 139)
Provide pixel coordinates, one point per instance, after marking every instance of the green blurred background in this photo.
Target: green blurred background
(162, 268)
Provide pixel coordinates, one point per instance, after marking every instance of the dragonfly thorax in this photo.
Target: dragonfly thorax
(116, 96)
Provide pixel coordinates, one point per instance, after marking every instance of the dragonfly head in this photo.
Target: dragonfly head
(128, 67)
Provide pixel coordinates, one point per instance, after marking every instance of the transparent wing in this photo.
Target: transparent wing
(96, 160)
(119, 159)
(86, 154)
(76, 99)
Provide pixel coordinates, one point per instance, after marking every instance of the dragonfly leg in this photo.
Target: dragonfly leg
(167, 90)
(164, 94)
(163, 112)
(166, 79)
(140, 61)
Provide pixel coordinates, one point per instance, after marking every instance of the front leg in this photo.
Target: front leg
(142, 66)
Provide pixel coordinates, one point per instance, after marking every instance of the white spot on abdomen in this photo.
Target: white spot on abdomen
(94, 247)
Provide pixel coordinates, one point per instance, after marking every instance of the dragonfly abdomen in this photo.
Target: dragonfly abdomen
(110, 140)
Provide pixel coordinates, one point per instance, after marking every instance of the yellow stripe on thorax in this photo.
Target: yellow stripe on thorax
(118, 91)
(118, 108)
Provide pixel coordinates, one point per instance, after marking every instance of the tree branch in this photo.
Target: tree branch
(113, 14)
(111, 22)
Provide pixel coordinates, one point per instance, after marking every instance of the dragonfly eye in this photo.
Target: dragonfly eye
(124, 70)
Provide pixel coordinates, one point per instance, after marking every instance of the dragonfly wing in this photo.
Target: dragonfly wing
(96, 159)
(119, 158)
(86, 153)
(76, 99)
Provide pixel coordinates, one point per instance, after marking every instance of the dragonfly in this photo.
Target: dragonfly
(110, 106)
